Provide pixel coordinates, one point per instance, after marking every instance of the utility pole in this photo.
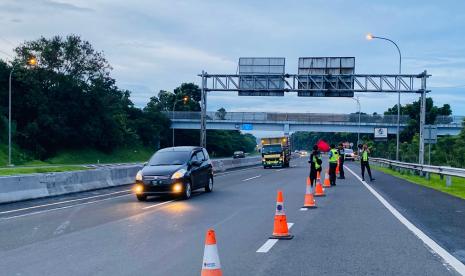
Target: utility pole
(203, 114)
(421, 157)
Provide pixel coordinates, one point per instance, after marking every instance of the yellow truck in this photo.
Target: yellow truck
(275, 152)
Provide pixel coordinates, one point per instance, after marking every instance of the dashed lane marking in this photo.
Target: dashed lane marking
(446, 256)
(158, 204)
(271, 242)
(61, 202)
(250, 178)
(62, 208)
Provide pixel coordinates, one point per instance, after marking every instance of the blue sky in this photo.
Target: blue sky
(156, 45)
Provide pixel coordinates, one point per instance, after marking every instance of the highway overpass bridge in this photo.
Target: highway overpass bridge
(315, 122)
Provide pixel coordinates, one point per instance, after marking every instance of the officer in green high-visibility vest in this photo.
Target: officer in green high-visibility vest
(333, 159)
(364, 161)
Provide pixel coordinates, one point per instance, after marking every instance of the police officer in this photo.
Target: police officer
(341, 161)
(333, 158)
(315, 164)
(365, 163)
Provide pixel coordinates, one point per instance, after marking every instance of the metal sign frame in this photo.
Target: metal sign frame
(363, 83)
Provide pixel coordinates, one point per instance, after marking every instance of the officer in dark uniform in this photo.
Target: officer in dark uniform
(341, 161)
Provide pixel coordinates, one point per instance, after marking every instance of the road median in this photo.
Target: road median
(39, 185)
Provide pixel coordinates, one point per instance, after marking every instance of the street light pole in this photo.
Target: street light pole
(370, 37)
(172, 127)
(184, 99)
(359, 114)
(32, 61)
(9, 116)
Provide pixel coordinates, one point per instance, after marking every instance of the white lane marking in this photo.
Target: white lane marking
(61, 228)
(279, 170)
(303, 209)
(250, 178)
(267, 246)
(271, 242)
(61, 202)
(158, 204)
(62, 208)
(226, 173)
(446, 256)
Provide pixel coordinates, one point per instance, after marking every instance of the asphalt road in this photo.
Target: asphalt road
(109, 232)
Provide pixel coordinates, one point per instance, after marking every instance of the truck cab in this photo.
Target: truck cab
(275, 152)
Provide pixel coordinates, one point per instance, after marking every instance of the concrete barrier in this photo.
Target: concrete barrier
(31, 186)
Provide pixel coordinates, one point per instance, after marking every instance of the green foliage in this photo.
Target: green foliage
(70, 102)
(92, 156)
(413, 111)
(221, 113)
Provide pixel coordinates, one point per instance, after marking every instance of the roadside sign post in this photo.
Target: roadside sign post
(431, 136)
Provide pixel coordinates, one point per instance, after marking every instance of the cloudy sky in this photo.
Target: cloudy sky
(156, 45)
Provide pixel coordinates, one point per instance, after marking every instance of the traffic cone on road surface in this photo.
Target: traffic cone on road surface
(280, 229)
(327, 183)
(337, 167)
(211, 261)
(319, 188)
(309, 201)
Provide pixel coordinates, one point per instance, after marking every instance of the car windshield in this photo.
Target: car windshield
(238, 152)
(348, 151)
(169, 158)
(272, 149)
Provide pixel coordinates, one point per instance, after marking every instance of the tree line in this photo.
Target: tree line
(69, 100)
(449, 150)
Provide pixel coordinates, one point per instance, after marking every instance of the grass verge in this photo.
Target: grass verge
(46, 169)
(435, 182)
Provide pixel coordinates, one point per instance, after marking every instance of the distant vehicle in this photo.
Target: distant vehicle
(238, 154)
(303, 153)
(276, 152)
(175, 171)
(349, 154)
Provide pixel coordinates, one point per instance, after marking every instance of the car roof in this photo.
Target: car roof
(184, 148)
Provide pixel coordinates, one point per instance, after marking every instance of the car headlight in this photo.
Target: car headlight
(179, 174)
(139, 176)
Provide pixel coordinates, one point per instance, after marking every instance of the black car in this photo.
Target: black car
(238, 154)
(175, 171)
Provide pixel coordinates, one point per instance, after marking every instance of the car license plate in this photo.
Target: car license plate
(156, 182)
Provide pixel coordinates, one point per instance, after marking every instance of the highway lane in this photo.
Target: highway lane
(349, 233)
(441, 216)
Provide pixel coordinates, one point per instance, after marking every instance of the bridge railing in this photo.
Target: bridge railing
(444, 120)
(422, 169)
(294, 117)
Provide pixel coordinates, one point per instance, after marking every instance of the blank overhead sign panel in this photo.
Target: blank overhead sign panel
(258, 74)
(322, 76)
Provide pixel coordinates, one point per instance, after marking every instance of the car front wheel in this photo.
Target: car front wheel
(141, 197)
(209, 186)
(187, 191)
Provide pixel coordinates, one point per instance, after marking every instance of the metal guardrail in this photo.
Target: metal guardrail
(441, 170)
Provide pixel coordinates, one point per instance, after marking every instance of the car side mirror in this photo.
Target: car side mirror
(196, 163)
(145, 164)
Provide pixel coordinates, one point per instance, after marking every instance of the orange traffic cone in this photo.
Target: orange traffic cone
(280, 229)
(319, 188)
(211, 261)
(327, 183)
(337, 167)
(309, 201)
